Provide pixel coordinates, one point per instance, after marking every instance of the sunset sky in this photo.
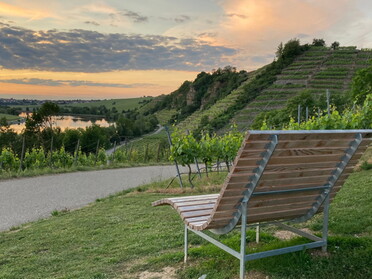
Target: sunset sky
(64, 49)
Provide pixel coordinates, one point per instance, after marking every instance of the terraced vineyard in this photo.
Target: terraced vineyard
(317, 70)
(221, 106)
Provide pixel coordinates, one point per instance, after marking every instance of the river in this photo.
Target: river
(67, 121)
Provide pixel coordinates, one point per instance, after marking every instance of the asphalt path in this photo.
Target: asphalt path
(29, 199)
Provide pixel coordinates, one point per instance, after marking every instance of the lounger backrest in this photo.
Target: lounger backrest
(286, 175)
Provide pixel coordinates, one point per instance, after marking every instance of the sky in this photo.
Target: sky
(64, 49)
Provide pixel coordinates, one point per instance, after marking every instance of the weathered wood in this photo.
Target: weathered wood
(301, 160)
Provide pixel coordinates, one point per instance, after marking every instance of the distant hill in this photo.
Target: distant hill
(315, 70)
(118, 104)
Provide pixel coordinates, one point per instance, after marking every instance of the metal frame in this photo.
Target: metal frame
(242, 212)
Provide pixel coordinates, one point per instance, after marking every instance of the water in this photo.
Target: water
(67, 121)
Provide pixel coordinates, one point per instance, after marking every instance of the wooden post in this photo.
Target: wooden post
(158, 152)
(22, 153)
(76, 152)
(97, 149)
(114, 147)
(328, 102)
(146, 153)
(307, 113)
(175, 161)
(51, 153)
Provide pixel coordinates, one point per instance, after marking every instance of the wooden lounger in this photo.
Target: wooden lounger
(277, 176)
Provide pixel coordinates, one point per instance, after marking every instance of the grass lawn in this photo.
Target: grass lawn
(122, 236)
(9, 117)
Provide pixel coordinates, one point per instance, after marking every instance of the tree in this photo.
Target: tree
(319, 42)
(335, 45)
(361, 85)
(42, 117)
(279, 51)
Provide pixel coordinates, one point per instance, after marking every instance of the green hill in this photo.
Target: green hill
(118, 104)
(317, 70)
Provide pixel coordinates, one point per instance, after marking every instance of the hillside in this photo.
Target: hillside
(203, 93)
(317, 70)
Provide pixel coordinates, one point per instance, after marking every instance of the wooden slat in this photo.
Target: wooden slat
(199, 213)
(239, 177)
(286, 215)
(183, 209)
(199, 202)
(279, 207)
(298, 167)
(284, 201)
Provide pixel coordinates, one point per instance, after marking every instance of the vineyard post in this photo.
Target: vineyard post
(197, 163)
(114, 148)
(146, 153)
(175, 161)
(307, 113)
(158, 152)
(23, 152)
(76, 152)
(97, 149)
(129, 151)
(299, 114)
(51, 153)
(328, 106)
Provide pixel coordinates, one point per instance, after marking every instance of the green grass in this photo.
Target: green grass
(119, 104)
(122, 235)
(9, 117)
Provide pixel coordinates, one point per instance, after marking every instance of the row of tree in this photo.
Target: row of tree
(41, 132)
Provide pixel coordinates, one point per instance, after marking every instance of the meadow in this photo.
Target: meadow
(122, 236)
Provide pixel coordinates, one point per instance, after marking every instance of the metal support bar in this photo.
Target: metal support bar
(250, 187)
(186, 244)
(281, 251)
(217, 243)
(325, 224)
(243, 240)
(299, 232)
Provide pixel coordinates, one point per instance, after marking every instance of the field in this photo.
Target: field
(119, 104)
(122, 236)
(9, 117)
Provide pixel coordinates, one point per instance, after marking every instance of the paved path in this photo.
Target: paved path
(29, 199)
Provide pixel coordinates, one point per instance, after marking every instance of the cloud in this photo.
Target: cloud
(16, 11)
(73, 83)
(95, 23)
(134, 16)
(257, 27)
(90, 51)
(182, 19)
(237, 15)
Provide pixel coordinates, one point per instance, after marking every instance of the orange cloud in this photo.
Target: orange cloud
(16, 11)
(258, 26)
(162, 82)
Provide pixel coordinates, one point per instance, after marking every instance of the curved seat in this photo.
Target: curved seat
(276, 176)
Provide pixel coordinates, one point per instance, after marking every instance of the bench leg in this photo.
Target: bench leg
(243, 241)
(325, 223)
(186, 244)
